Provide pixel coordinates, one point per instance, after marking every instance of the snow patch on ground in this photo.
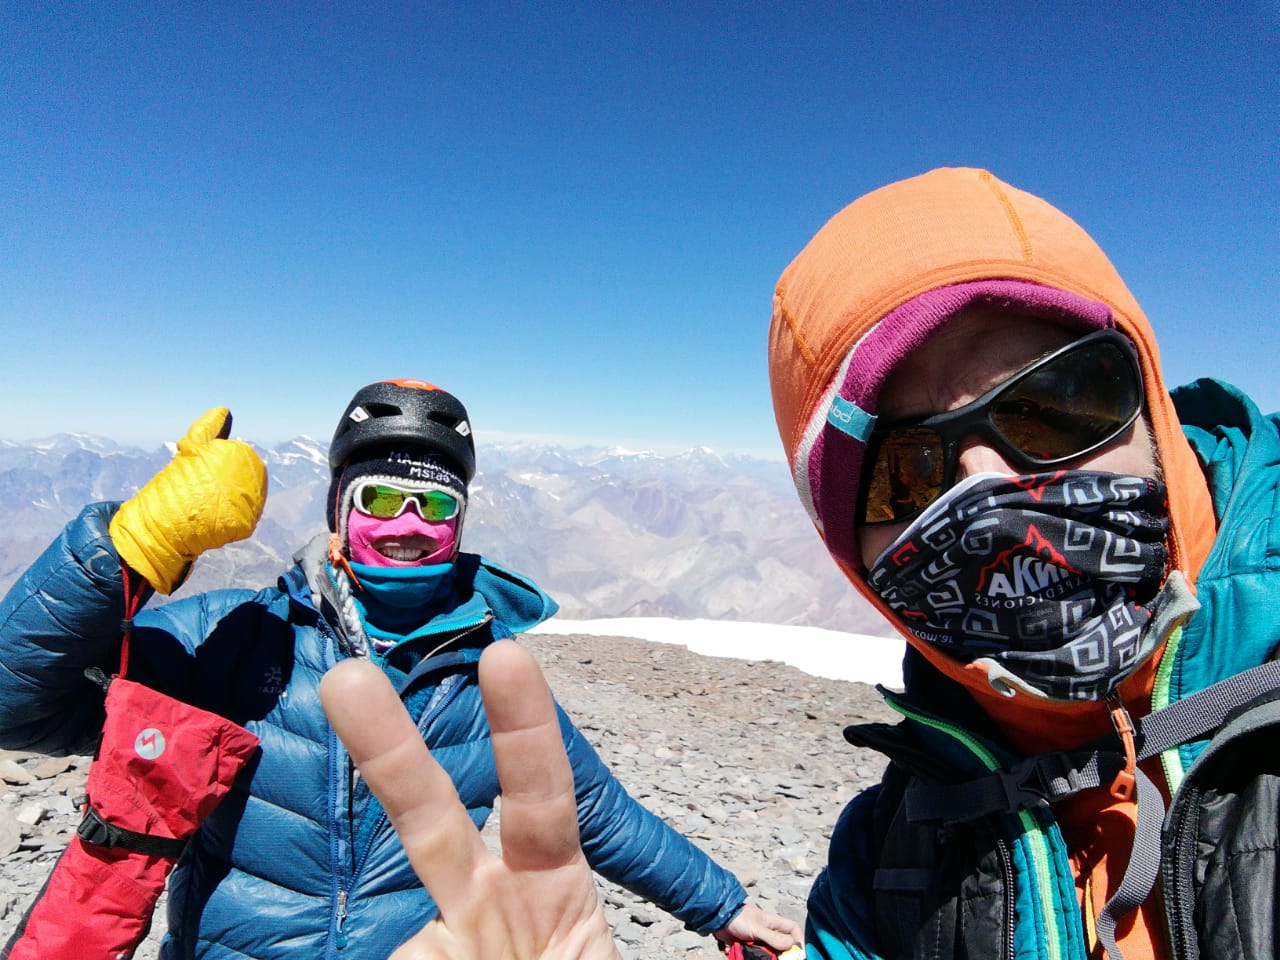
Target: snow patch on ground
(821, 653)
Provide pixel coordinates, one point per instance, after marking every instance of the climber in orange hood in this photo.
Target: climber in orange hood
(971, 405)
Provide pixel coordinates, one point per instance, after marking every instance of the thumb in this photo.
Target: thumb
(210, 494)
(213, 425)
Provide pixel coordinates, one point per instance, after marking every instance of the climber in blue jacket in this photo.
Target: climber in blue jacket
(301, 859)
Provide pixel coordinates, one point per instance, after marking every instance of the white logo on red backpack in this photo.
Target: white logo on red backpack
(149, 744)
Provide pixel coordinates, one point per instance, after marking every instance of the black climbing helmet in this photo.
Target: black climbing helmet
(405, 411)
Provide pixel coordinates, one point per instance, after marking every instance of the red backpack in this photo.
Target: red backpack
(160, 769)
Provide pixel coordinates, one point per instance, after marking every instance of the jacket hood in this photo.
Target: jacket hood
(942, 234)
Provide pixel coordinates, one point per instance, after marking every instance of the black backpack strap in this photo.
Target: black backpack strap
(93, 829)
(1050, 777)
(1197, 716)
(1034, 782)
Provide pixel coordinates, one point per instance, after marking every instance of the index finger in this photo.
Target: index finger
(418, 795)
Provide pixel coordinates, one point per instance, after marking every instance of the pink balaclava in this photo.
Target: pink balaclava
(406, 540)
(403, 541)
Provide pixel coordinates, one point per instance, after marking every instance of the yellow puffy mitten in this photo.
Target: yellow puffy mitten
(210, 494)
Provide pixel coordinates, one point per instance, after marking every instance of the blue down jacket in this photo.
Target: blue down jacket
(299, 860)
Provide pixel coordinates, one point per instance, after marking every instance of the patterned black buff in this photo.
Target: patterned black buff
(1053, 575)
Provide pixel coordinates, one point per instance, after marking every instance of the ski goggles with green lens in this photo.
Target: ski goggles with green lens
(1065, 405)
(385, 501)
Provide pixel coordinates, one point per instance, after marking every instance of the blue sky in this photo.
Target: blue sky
(573, 215)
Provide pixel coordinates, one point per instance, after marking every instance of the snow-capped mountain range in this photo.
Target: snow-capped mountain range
(608, 533)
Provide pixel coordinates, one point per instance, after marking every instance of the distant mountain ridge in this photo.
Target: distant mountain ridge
(608, 533)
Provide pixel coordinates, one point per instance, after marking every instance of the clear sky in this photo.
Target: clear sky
(573, 215)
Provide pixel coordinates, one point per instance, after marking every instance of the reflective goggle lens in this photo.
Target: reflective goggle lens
(386, 502)
(1062, 407)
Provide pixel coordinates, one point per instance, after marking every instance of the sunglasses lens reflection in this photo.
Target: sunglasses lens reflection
(907, 474)
(385, 502)
(1070, 406)
(1063, 408)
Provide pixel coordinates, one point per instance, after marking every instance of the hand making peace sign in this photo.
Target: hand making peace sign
(539, 900)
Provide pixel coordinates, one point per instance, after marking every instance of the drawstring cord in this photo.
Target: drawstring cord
(135, 591)
(339, 560)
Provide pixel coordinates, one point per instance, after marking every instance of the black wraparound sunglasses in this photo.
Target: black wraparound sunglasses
(1065, 405)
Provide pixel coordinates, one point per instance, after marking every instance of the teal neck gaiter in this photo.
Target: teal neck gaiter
(397, 603)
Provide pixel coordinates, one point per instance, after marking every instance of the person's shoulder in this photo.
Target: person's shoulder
(1225, 427)
(1213, 405)
(472, 565)
(513, 597)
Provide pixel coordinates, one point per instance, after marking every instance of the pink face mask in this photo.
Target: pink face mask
(403, 541)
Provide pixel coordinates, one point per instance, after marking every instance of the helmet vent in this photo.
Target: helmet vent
(382, 410)
(453, 423)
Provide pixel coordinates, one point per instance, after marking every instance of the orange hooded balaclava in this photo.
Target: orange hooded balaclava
(873, 283)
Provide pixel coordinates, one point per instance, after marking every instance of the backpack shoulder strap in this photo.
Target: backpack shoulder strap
(1050, 777)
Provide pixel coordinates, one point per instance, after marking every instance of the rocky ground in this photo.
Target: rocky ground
(746, 758)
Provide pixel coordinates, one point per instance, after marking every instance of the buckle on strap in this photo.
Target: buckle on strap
(1033, 782)
(1027, 783)
(1045, 779)
(93, 829)
(1049, 777)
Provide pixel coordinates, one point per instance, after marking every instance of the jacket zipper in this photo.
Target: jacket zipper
(341, 940)
(348, 882)
(340, 905)
(382, 818)
(1180, 933)
(1006, 868)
